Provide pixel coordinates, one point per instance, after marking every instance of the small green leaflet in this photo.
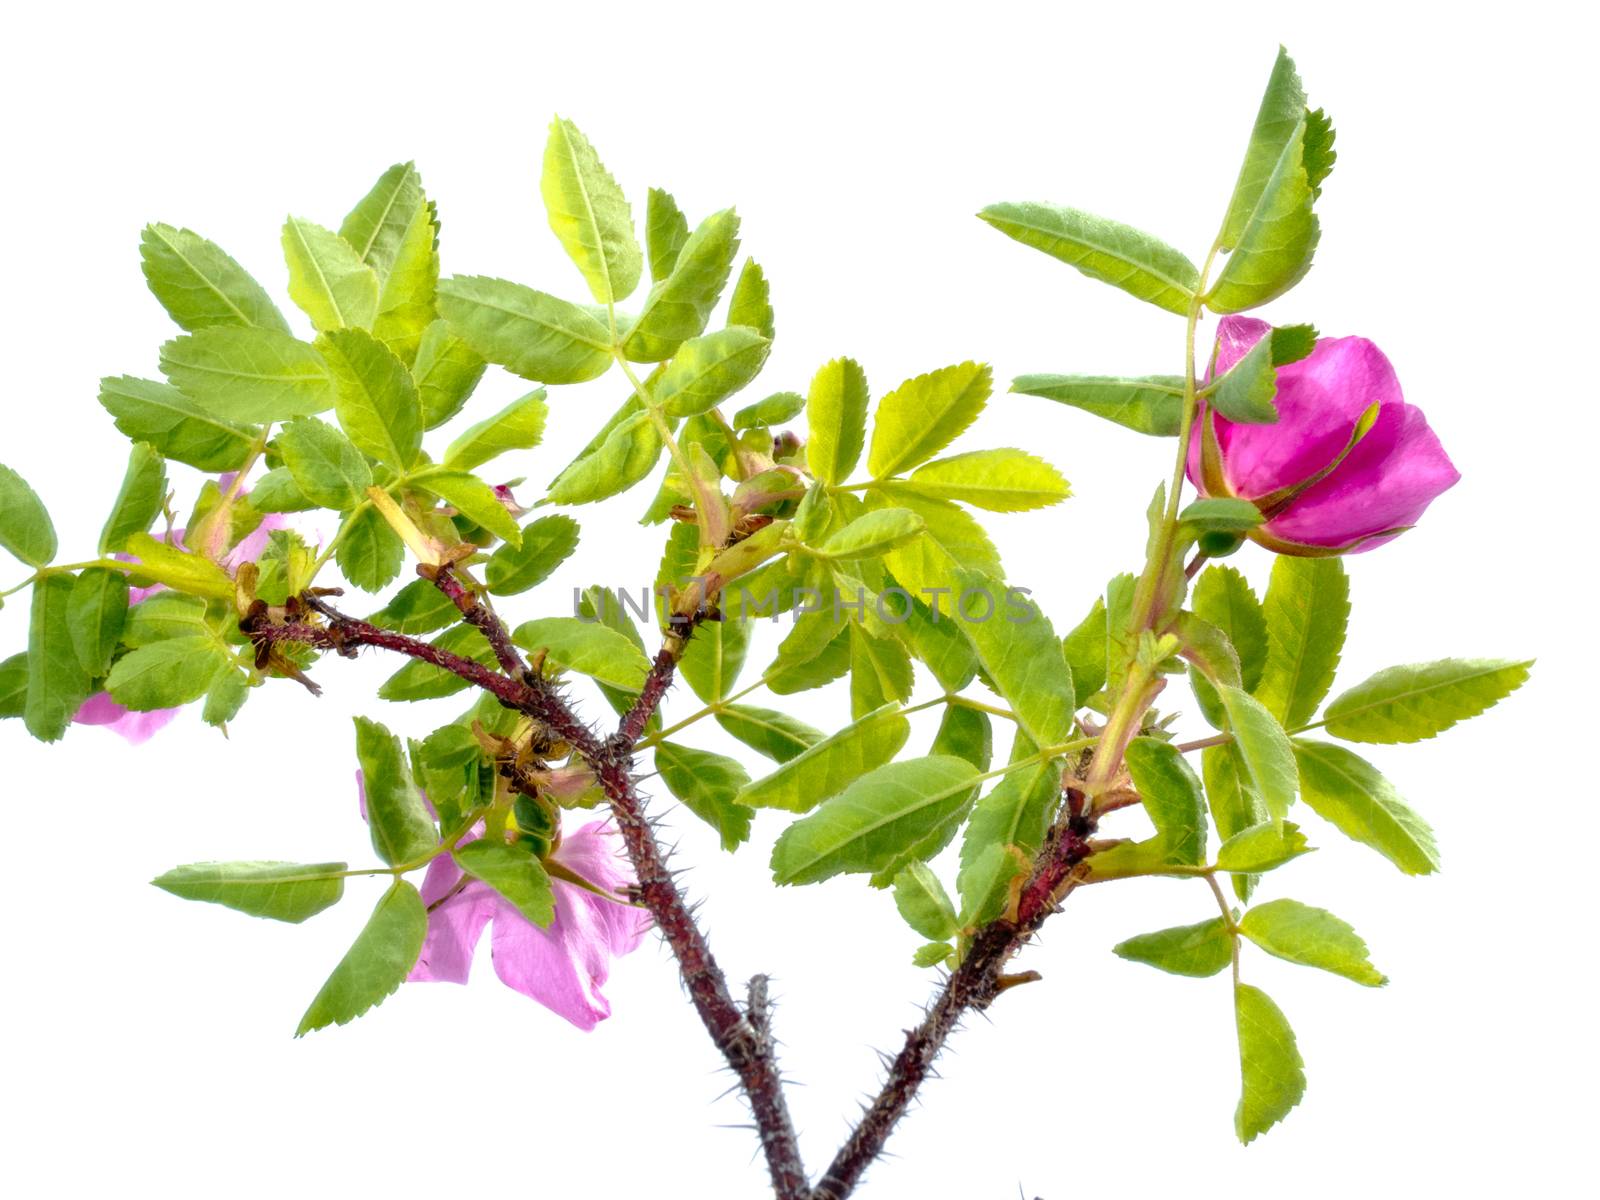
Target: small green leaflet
(1023, 658)
(25, 527)
(377, 401)
(708, 784)
(376, 227)
(1223, 598)
(1282, 106)
(473, 499)
(419, 607)
(1085, 650)
(397, 816)
(705, 371)
(446, 371)
(1197, 950)
(370, 553)
(1235, 802)
(679, 306)
(624, 453)
(419, 680)
(666, 230)
(1172, 796)
(158, 562)
(923, 902)
(774, 410)
(591, 649)
(924, 415)
(378, 963)
(327, 278)
(327, 468)
(1273, 1073)
(836, 413)
(870, 535)
(873, 820)
(777, 735)
(14, 685)
(200, 285)
(1103, 249)
(825, 768)
(278, 890)
(96, 613)
(168, 673)
(751, 302)
(1411, 703)
(1312, 937)
(514, 873)
(996, 480)
(1261, 848)
(1306, 610)
(178, 428)
(1244, 395)
(1265, 749)
(517, 426)
(1220, 514)
(546, 544)
(589, 214)
(1349, 793)
(528, 332)
(1151, 404)
(247, 376)
(139, 502)
(57, 682)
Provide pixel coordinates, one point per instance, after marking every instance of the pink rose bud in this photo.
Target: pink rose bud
(1324, 486)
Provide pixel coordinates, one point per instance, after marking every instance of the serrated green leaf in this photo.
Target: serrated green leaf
(1312, 937)
(378, 963)
(1273, 1073)
(1103, 249)
(419, 607)
(1411, 703)
(247, 376)
(1265, 748)
(1198, 951)
(1172, 797)
(530, 333)
(225, 698)
(1222, 597)
(446, 371)
(517, 426)
(777, 735)
(751, 303)
(327, 278)
(1023, 658)
(1348, 792)
(679, 306)
(178, 428)
(923, 902)
(397, 816)
(594, 650)
(937, 641)
(589, 214)
(774, 410)
(57, 682)
(629, 452)
(705, 371)
(96, 613)
(924, 415)
(166, 614)
(377, 401)
(934, 954)
(997, 480)
(200, 285)
(1261, 848)
(376, 227)
(785, 678)
(666, 230)
(824, 769)
(475, 500)
(836, 412)
(546, 544)
(140, 500)
(1150, 404)
(953, 543)
(280, 891)
(870, 535)
(325, 465)
(708, 784)
(1306, 610)
(1235, 801)
(168, 673)
(711, 663)
(1085, 650)
(370, 553)
(513, 872)
(14, 686)
(1282, 106)
(25, 527)
(419, 680)
(406, 298)
(873, 820)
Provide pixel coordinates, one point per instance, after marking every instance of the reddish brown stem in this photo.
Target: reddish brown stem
(478, 614)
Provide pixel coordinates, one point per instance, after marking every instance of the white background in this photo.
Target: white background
(147, 1042)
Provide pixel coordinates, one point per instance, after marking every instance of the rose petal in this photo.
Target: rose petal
(561, 967)
(135, 727)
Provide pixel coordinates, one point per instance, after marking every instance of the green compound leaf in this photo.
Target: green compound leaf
(1348, 792)
(377, 401)
(530, 333)
(708, 784)
(874, 820)
(383, 954)
(1172, 796)
(1274, 1078)
(25, 526)
(1102, 249)
(1197, 951)
(776, 735)
(996, 480)
(825, 768)
(924, 415)
(326, 467)
(836, 412)
(923, 902)
(397, 816)
(546, 544)
(139, 502)
(1312, 937)
(591, 649)
(200, 285)
(1149, 404)
(1222, 597)
(1306, 609)
(280, 891)
(178, 428)
(1412, 703)
(327, 278)
(589, 214)
(248, 376)
(517, 426)
(515, 873)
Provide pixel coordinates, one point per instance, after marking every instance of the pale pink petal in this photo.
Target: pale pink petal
(251, 546)
(455, 926)
(561, 967)
(135, 727)
(595, 853)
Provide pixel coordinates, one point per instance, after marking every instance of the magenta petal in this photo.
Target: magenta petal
(1235, 336)
(595, 852)
(561, 967)
(250, 548)
(135, 727)
(454, 927)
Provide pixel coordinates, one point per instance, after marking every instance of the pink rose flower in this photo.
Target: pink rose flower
(1321, 494)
